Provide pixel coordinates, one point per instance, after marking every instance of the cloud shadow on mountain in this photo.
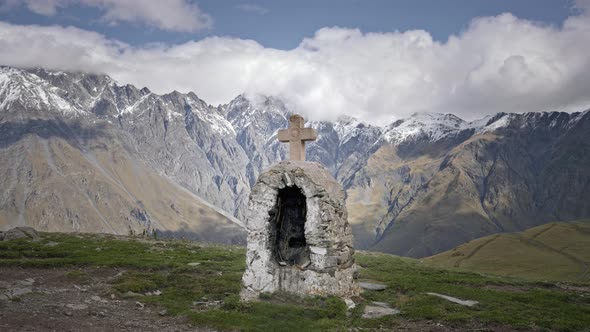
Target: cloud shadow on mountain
(72, 131)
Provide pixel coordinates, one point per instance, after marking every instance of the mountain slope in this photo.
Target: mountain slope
(416, 187)
(51, 184)
(554, 251)
(531, 170)
(66, 167)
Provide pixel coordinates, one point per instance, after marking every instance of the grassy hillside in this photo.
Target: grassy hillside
(556, 251)
(201, 284)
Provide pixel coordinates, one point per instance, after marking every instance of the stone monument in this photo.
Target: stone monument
(299, 239)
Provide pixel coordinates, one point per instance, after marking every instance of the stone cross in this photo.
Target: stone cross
(296, 135)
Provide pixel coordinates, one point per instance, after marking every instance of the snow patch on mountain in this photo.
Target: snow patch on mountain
(433, 126)
(213, 117)
(347, 127)
(499, 121)
(244, 113)
(30, 91)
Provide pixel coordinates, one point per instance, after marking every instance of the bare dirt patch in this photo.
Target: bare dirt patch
(63, 300)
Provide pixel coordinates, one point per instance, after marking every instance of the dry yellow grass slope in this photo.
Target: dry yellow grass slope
(556, 251)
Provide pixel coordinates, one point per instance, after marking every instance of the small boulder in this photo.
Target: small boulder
(467, 303)
(77, 306)
(20, 233)
(379, 309)
(372, 286)
(349, 304)
(16, 292)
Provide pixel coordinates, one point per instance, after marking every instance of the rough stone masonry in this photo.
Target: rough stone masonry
(299, 239)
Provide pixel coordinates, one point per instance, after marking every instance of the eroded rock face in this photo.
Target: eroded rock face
(19, 233)
(299, 240)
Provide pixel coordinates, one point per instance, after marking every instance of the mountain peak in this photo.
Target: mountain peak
(432, 126)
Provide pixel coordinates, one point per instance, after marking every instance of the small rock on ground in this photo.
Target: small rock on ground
(372, 286)
(77, 306)
(349, 304)
(379, 309)
(467, 303)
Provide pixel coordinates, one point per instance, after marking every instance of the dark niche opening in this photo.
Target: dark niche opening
(291, 210)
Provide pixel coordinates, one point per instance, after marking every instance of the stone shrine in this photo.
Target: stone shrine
(299, 239)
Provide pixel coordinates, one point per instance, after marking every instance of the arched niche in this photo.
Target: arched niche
(290, 246)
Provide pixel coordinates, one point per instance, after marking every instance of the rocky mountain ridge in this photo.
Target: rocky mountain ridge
(415, 187)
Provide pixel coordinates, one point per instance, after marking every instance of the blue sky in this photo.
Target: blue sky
(283, 24)
(377, 60)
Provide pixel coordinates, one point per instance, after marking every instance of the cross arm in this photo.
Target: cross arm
(284, 135)
(308, 134)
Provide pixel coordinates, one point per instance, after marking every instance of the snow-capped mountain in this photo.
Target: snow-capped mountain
(81, 151)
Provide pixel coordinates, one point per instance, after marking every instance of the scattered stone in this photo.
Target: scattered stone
(349, 304)
(98, 299)
(154, 293)
(12, 293)
(207, 303)
(51, 244)
(372, 286)
(381, 304)
(194, 264)
(26, 282)
(130, 293)
(163, 312)
(81, 289)
(67, 313)
(112, 296)
(77, 306)
(467, 303)
(140, 305)
(379, 309)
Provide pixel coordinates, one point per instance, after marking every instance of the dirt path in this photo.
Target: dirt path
(54, 300)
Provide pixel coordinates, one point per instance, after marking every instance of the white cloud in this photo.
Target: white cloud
(173, 15)
(499, 63)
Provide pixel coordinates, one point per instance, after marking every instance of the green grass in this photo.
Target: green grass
(515, 302)
(162, 265)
